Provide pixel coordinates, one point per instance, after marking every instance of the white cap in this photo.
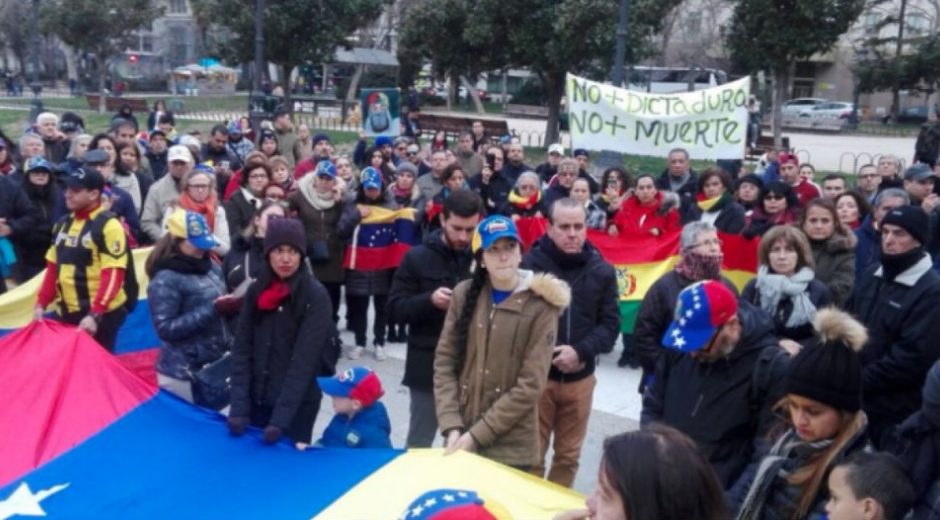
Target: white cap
(189, 140)
(556, 148)
(179, 153)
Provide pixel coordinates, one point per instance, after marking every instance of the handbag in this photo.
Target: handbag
(212, 386)
(319, 252)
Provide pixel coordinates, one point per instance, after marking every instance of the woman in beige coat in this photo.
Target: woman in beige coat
(495, 351)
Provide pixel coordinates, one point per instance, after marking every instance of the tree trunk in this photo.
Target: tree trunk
(284, 70)
(780, 81)
(477, 104)
(554, 90)
(71, 62)
(896, 87)
(505, 97)
(352, 92)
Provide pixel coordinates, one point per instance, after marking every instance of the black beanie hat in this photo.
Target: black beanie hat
(828, 370)
(911, 219)
(285, 231)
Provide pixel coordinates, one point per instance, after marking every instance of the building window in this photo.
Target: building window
(177, 6)
(146, 43)
(916, 24)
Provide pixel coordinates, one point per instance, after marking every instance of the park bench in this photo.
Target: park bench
(453, 125)
(533, 111)
(113, 104)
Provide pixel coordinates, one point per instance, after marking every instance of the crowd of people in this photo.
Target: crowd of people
(813, 391)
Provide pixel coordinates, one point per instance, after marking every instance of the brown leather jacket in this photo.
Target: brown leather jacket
(492, 389)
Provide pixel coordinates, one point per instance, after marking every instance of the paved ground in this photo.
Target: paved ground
(616, 403)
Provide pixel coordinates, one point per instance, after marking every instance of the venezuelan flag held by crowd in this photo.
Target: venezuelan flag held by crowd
(88, 435)
(382, 239)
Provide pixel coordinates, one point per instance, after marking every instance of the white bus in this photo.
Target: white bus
(666, 80)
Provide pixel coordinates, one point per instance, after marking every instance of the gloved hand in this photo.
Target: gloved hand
(228, 305)
(236, 425)
(272, 434)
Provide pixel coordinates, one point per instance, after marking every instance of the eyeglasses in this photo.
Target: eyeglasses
(868, 176)
(274, 197)
(401, 148)
(199, 186)
(257, 176)
(710, 242)
(774, 197)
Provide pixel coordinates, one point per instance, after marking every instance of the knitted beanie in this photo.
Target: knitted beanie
(285, 231)
(829, 370)
(911, 219)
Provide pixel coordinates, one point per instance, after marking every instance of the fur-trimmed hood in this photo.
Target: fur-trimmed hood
(842, 241)
(835, 326)
(548, 287)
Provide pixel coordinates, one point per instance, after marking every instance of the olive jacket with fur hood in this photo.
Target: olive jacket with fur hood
(835, 263)
(492, 388)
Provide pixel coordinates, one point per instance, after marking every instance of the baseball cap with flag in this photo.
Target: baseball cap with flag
(191, 226)
(37, 163)
(701, 309)
(371, 178)
(454, 504)
(357, 383)
(491, 229)
(326, 169)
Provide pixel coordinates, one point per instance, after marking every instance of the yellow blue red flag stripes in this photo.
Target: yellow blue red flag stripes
(381, 239)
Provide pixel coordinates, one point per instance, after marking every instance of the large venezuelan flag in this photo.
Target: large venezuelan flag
(84, 437)
(642, 259)
(137, 343)
(381, 239)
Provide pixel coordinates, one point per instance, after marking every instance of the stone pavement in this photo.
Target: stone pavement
(616, 403)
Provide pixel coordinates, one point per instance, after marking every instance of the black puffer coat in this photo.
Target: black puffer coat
(322, 225)
(423, 270)
(725, 406)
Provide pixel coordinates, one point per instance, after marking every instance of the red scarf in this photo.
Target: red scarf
(206, 209)
(271, 297)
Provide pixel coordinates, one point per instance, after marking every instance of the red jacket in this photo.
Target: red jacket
(634, 219)
(805, 192)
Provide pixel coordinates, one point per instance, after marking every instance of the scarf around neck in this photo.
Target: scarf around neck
(206, 208)
(273, 295)
(697, 267)
(714, 204)
(775, 287)
(523, 203)
(320, 201)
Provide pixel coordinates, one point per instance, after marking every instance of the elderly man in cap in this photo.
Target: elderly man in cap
(166, 191)
(156, 153)
(720, 378)
(85, 277)
(919, 183)
(896, 300)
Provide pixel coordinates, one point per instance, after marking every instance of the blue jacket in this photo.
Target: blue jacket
(867, 250)
(370, 428)
(191, 332)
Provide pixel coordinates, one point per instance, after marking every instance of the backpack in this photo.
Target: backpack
(131, 287)
(927, 147)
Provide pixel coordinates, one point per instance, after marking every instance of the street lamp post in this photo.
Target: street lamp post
(860, 57)
(256, 103)
(35, 85)
(617, 77)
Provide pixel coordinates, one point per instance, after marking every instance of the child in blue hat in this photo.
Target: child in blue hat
(361, 420)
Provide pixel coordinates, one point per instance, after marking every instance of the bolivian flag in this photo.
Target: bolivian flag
(381, 239)
(640, 260)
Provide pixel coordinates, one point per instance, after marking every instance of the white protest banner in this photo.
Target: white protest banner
(710, 123)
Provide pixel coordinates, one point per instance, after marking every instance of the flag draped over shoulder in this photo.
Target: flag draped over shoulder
(641, 260)
(381, 239)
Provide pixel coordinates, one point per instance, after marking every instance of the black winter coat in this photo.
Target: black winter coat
(688, 207)
(591, 322)
(903, 321)
(239, 212)
(423, 270)
(725, 406)
(18, 212)
(358, 282)
(731, 219)
(655, 314)
(818, 294)
(31, 247)
(279, 354)
(243, 261)
(320, 225)
(494, 194)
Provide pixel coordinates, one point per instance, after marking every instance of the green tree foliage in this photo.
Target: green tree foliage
(296, 32)
(772, 35)
(101, 27)
(548, 37)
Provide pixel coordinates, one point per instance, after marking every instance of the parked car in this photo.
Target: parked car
(829, 110)
(795, 106)
(913, 115)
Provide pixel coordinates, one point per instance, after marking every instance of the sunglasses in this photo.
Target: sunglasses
(774, 197)
(411, 154)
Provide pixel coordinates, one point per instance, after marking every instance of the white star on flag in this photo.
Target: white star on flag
(698, 306)
(681, 324)
(688, 313)
(24, 502)
(431, 502)
(448, 498)
(417, 511)
(680, 342)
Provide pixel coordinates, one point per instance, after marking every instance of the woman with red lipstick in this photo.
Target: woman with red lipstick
(825, 425)
(285, 340)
